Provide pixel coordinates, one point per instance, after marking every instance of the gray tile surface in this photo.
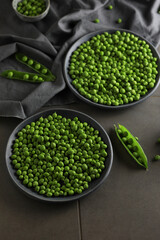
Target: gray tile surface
(22, 218)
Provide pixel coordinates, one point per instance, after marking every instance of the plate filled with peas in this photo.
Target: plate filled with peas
(112, 68)
(59, 155)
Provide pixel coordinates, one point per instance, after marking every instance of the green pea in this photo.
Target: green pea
(17, 165)
(35, 78)
(124, 139)
(49, 194)
(26, 76)
(96, 21)
(44, 70)
(119, 20)
(42, 192)
(130, 147)
(135, 154)
(125, 134)
(110, 7)
(30, 62)
(10, 74)
(25, 58)
(135, 148)
(29, 184)
(40, 79)
(37, 66)
(157, 157)
(19, 172)
(130, 141)
(25, 181)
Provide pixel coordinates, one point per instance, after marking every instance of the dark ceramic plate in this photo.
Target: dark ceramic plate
(86, 38)
(69, 114)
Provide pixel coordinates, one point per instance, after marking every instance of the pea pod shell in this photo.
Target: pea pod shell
(20, 76)
(49, 74)
(135, 143)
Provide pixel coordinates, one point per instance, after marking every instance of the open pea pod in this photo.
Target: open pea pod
(36, 66)
(131, 145)
(24, 76)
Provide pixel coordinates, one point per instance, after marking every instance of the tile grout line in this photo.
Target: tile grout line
(79, 220)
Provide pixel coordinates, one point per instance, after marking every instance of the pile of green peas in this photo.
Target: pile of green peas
(31, 7)
(113, 69)
(58, 156)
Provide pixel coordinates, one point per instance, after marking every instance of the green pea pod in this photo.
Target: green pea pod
(24, 76)
(131, 145)
(36, 66)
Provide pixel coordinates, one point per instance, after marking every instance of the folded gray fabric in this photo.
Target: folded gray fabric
(48, 40)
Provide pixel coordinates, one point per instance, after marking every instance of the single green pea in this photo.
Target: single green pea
(42, 192)
(26, 76)
(21, 177)
(125, 134)
(96, 21)
(37, 66)
(37, 188)
(119, 20)
(120, 132)
(24, 58)
(135, 148)
(49, 194)
(25, 181)
(19, 172)
(40, 79)
(88, 179)
(135, 154)
(17, 165)
(44, 70)
(130, 147)
(130, 141)
(30, 62)
(110, 7)
(29, 184)
(124, 139)
(137, 138)
(157, 157)
(10, 74)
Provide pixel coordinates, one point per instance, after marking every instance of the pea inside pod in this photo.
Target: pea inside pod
(36, 66)
(23, 76)
(131, 145)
